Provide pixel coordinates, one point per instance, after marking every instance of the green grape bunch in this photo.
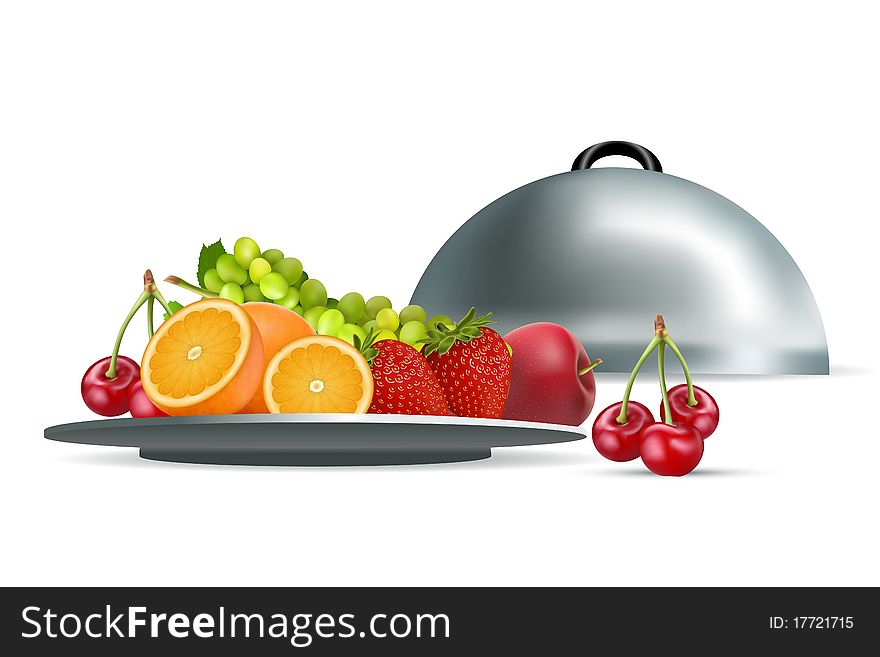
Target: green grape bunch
(249, 274)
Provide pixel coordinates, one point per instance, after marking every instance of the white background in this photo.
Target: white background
(358, 136)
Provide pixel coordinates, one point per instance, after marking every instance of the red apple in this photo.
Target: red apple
(545, 384)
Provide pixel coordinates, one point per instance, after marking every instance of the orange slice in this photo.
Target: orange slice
(318, 374)
(206, 359)
(278, 326)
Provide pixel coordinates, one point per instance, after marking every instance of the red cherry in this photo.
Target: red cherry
(703, 417)
(140, 405)
(670, 449)
(620, 442)
(109, 396)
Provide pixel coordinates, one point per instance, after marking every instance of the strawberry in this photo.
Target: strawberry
(472, 364)
(403, 382)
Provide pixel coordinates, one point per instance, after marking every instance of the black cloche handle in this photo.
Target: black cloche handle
(639, 153)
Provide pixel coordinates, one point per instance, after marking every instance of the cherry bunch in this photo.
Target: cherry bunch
(674, 446)
(112, 386)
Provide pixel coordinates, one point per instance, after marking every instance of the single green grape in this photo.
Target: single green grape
(245, 250)
(274, 286)
(213, 281)
(233, 292)
(313, 293)
(348, 331)
(369, 325)
(252, 293)
(385, 334)
(387, 319)
(412, 332)
(272, 256)
(375, 304)
(439, 319)
(352, 306)
(298, 310)
(290, 268)
(259, 268)
(331, 302)
(312, 315)
(291, 299)
(330, 322)
(230, 271)
(413, 314)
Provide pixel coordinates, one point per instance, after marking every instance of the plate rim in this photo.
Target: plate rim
(306, 418)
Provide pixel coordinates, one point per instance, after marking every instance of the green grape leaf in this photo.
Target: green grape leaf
(208, 259)
(175, 306)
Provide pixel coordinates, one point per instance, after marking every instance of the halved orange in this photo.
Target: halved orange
(278, 326)
(206, 359)
(318, 374)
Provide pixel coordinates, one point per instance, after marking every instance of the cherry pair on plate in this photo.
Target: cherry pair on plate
(112, 385)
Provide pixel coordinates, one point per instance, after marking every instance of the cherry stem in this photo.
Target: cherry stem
(111, 371)
(661, 369)
(692, 400)
(652, 345)
(179, 282)
(161, 299)
(590, 367)
(150, 293)
(150, 286)
(150, 303)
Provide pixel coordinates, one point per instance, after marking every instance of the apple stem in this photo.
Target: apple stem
(590, 367)
(692, 400)
(652, 345)
(661, 369)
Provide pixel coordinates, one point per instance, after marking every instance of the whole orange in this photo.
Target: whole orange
(278, 326)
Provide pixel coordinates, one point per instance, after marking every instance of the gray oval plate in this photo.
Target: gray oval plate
(307, 439)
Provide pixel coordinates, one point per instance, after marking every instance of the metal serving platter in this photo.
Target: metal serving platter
(312, 439)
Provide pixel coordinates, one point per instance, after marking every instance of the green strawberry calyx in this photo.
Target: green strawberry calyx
(441, 338)
(365, 346)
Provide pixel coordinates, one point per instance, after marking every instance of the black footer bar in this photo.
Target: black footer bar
(434, 621)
